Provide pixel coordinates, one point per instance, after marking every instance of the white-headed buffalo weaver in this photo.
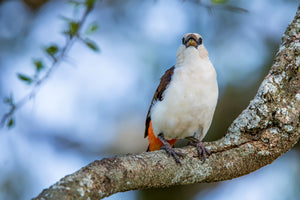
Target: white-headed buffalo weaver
(183, 105)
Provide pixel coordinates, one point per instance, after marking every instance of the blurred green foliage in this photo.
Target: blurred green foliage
(219, 1)
(56, 54)
(25, 78)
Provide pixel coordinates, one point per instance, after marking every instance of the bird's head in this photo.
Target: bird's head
(192, 40)
(192, 45)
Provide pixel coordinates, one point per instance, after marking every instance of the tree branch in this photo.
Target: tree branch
(265, 130)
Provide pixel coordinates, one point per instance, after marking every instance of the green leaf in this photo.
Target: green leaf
(91, 28)
(90, 3)
(39, 65)
(91, 44)
(235, 9)
(10, 123)
(73, 28)
(52, 50)
(25, 78)
(219, 1)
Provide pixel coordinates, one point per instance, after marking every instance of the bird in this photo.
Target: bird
(184, 102)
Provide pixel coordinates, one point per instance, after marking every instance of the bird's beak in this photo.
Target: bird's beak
(191, 42)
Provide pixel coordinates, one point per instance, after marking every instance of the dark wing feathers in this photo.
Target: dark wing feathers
(164, 82)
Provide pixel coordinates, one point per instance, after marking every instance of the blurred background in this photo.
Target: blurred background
(95, 104)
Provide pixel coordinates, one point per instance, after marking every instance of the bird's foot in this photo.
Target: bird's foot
(201, 149)
(170, 151)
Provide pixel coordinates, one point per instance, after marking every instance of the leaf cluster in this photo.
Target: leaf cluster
(56, 54)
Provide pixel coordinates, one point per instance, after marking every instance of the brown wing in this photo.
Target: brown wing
(164, 82)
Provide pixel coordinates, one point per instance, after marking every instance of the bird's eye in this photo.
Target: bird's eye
(183, 40)
(200, 41)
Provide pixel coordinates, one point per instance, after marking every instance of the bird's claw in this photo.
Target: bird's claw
(201, 149)
(171, 152)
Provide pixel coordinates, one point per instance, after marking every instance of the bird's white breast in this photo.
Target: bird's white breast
(188, 102)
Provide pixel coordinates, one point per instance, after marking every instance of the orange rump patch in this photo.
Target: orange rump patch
(154, 142)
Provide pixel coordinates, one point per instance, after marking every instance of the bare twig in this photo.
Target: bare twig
(212, 6)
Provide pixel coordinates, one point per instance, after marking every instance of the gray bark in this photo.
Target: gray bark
(265, 130)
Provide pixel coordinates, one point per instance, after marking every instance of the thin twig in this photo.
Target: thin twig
(56, 61)
(210, 7)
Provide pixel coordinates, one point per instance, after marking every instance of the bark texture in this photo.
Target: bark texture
(266, 129)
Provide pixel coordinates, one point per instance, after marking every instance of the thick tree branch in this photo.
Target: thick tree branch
(265, 130)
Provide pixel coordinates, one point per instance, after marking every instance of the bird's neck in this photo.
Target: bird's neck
(189, 57)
